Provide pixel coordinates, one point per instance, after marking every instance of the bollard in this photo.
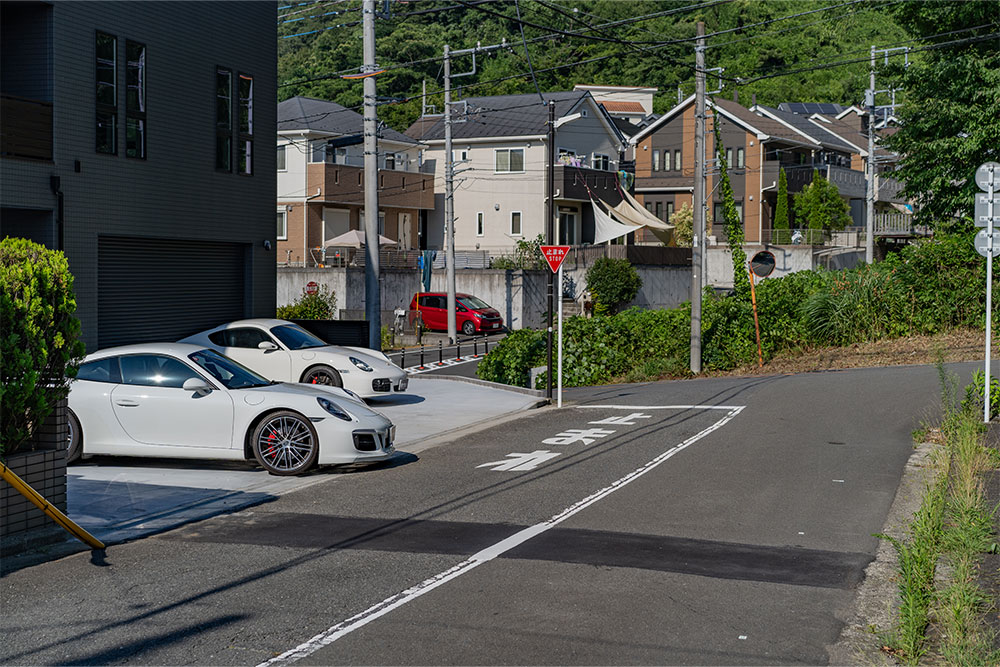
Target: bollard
(440, 354)
(475, 348)
(402, 357)
(458, 350)
(421, 366)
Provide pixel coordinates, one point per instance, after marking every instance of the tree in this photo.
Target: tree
(821, 207)
(948, 119)
(734, 226)
(683, 221)
(613, 283)
(780, 225)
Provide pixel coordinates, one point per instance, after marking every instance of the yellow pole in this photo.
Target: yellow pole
(756, 322)
(52, 512)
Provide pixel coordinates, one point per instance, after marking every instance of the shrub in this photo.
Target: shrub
(857, 306)
(40, 347)
(613, 283)
(511, 361)
(319, 306)
(527, 255)
(683, 222)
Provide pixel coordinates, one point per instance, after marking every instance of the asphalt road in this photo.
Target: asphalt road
(719, 521)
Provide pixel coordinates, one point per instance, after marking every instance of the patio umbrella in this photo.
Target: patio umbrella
(355, 239)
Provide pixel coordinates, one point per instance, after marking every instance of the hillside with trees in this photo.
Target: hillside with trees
(773, 49)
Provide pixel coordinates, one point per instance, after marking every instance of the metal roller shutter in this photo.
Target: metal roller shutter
(162, 290)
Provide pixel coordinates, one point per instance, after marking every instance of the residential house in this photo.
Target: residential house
(321, 187)
(499, 148)
(128, 137)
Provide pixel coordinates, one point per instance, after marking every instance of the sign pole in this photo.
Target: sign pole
(559, 340)
(989, 297)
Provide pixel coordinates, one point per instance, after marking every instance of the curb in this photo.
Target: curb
(487, 383)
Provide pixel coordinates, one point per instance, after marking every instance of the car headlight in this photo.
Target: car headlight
(362, 365)
(333, 408)
(478, 316)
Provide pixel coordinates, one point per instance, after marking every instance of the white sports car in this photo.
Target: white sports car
(283, 351)
(176, 400)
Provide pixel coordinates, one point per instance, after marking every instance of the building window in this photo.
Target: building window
(600, 161)
(677, 160)
(739, 211)
(666, 160)
(739, 158)
(656, 160)
(390, 160)
(223, 119)
(720, 215)
(729, 158)
(649, 206)
(106, 60)
(246, 125)
(509, 160)
(282, 225)
(670, 210)
(659, 210)
(135, 100)
(456, 156)
(280, 160)
(480, 224)
(515, 223)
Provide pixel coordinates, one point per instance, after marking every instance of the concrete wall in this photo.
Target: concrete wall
(788, 259)
(518, 295)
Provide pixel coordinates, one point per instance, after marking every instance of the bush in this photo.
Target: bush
(613, 283)
(858, 306)
(319, 306)
(511, 361)
(40, 347)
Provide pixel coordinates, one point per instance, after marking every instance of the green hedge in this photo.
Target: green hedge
(928, 287)
(39, 346)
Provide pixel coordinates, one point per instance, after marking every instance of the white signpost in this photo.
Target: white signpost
(987, 210)
(554, 255)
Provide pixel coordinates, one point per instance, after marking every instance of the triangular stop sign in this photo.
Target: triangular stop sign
(554, 255)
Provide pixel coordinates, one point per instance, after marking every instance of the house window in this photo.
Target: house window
(390, 160)
(457, 156)
(659, 210)
(656, 160)
(480, 224)
(515, 223)
(649, 206)
(106, 60)
(729, 157)
(677, 160)
(739, 158)
(666, 160)
(280, 162)
(509, 160)
(246, 124)
(600, 161)
(135, 100)
(381, 221)
(282, 225)
(223, 119)
(739, 211)
(670, 210)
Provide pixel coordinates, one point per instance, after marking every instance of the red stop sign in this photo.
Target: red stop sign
(312, 287)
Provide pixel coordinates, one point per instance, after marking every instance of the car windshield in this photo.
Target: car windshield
(295, 337)
(473, 303)
(231, 374)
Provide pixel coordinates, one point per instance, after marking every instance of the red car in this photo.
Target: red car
(472, 315)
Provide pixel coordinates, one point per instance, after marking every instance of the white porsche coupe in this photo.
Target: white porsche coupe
(283, 351)
(185, 401)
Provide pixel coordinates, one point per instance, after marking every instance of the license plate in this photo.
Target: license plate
(401, 386)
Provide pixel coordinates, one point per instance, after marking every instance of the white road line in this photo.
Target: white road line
(659, 407)
(348, 626)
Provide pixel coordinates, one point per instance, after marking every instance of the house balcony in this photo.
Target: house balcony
(25, 128)
(345, 184)
(580, 183)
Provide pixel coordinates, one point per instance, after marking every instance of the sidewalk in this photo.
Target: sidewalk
(121, 499)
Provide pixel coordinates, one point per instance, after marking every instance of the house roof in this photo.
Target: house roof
(766, 128)
(504, 116)
(617, 106)
(807, 108)
(807, 127)
(309, 114)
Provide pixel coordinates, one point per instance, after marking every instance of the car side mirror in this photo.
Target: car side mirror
(197, 385)
(267, 346)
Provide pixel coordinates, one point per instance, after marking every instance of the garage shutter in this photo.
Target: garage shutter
(161, 290)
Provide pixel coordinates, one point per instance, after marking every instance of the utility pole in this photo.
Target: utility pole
(698, 223)
(373, 296)
(449, 174)
(870, 194)
(550, 236)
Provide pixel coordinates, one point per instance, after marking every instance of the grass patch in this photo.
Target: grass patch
(953, 527)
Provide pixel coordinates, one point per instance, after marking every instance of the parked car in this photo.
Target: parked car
(472, 315)
(283, 351)
(186, 401)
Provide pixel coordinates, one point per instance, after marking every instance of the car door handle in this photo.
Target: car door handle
(127, 403)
